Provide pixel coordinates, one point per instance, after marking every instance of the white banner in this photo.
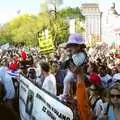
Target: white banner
(37, 104)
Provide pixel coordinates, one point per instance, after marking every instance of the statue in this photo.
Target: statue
(112, 10)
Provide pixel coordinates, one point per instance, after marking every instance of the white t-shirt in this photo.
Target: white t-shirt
(68, 78)
(49, 84)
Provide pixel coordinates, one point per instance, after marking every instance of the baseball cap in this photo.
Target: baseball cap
(95, 79)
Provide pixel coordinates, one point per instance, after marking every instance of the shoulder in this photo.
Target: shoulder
(100, 102)
(51, 76)
(69, 75)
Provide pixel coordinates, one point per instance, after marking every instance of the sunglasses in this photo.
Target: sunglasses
(113, 96)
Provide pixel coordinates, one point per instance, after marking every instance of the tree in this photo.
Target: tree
(71, 13)
(24, 28)
(21, 29)
(5, 36)
(79, 26)
(58, 27)
(59, 31)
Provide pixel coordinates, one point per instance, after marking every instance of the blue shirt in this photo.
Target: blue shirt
(111, 114)
(60, 75)
(7, 81)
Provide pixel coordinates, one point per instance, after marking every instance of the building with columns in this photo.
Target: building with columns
(92, 23)
(111, 26)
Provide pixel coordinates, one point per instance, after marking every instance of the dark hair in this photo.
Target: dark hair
(32, 73)
(94, 67)
(45, 66)
(80, 48)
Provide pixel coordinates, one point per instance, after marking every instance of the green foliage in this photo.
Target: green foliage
(71, 13)
(79, 26)
(5, 37)
(75, 13)
(59, 30)
(24, 28)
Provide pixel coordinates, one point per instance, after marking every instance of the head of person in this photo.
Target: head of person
(4, 61)
(114, 70)
(96, 91)
(75, 43)
(55, 66)
(76, 47)
(45, 68)
(30, 60)
(102, 70)
(114, 94)
(92, 67)
(118, 67)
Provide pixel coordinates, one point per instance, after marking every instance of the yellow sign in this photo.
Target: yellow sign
(45, 42)
(46, 45)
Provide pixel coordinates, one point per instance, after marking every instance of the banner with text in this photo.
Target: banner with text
(36, 104)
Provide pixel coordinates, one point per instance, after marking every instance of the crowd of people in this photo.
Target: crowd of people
(89, 84)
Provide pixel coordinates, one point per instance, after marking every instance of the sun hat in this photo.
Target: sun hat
(75, 39)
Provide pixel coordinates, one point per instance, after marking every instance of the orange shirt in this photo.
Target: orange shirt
(82, 102)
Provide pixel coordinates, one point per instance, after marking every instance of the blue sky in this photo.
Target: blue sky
(9, 8)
